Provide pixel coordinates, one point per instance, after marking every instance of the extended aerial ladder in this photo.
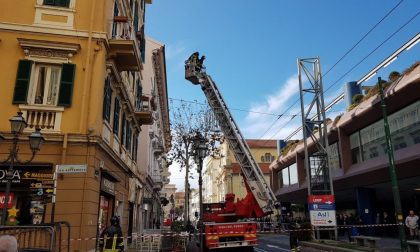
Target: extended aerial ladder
(253, 176)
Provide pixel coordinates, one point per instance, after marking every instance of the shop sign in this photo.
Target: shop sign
(3, 197)
(108, 186)
(67, 169)
(42, 191)
(15, 177)
(37, 185)
(322, 210)
(37, 175)
(26, 174)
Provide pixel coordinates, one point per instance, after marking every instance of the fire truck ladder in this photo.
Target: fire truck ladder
(253, 175)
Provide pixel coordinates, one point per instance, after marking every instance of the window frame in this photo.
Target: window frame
(33, 84)
(57, 3)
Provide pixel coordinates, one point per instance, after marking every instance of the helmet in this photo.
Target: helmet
(196, 53)
(115, 220)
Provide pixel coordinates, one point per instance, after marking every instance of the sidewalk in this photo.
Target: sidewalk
(384, 245)
(389, 244)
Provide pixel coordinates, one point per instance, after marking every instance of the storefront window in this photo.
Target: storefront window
(31, 189)
(285, 176)
(356, 156)
(288, 176)
(105, 212)
(293, 174)
(405, 131)
(334, 156)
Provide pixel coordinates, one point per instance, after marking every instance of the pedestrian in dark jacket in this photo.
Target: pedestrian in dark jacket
(293, 228)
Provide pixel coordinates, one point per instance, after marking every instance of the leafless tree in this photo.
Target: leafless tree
(187, 118)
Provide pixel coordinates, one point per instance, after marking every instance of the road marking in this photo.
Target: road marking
(277, 247)
(260, 250)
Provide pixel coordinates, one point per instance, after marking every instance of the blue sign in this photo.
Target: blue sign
(321, 207)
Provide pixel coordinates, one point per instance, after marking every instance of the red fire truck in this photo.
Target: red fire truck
(221, 226)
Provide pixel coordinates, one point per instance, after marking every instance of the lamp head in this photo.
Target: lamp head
(17, 123)
(36, 139)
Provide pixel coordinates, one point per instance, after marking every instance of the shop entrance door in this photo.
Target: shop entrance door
(130, 220)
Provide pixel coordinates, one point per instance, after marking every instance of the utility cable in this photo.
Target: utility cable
(339, 60)
(362, 60)
(374, 50)
(364, 36)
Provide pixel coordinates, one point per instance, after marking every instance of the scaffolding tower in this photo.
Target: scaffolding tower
(314, 127)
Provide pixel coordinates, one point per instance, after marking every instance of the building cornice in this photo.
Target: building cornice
(159, 66)
(47, 44)
(38, 29)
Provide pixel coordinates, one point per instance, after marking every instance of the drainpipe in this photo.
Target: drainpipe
(64, 151)
(86, 89)
(87, 69)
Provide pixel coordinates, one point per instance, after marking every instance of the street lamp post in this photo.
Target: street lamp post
(201, 150)
(392, 172)
(17, 125)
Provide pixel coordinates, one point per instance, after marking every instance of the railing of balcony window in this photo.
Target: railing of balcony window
(143, 103)
(157, 178)
(122, 28)
(47, 118)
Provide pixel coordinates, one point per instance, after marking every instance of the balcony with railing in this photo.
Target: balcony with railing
(143, 111)
(124, 45)
(157, 182)
(47, 118)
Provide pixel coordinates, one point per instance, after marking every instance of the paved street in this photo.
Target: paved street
(272, 242)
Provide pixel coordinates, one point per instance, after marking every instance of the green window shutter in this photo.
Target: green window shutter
(136, 17)
(123, 130)
(139, 94)
(66, 85)
(116, 125)
(23, 77)
(106, 112)
(128, 136)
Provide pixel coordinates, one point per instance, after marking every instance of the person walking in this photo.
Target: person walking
(112, 237)
(411, 222)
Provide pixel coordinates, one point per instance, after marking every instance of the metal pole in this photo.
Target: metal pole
(200, 185)
(392, 173)
(54, 195)
(187, 170)
(9, 179)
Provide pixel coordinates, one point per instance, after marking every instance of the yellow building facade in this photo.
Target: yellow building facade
(75, 68)
(222, 174)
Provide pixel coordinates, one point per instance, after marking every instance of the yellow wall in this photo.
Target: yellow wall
(239, 188)
(11, 54)
(78, 194)
(256, 153)
(221, 170)
(8, 13)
